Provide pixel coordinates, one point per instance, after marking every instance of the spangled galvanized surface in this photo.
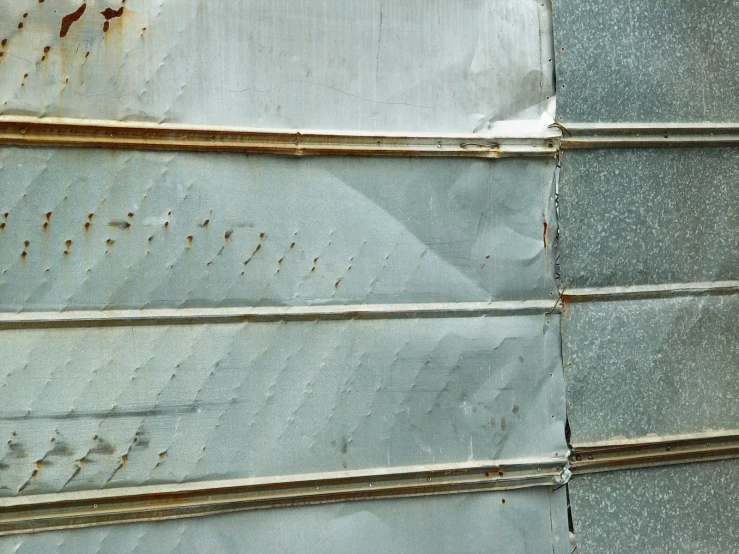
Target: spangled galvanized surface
(631, 217)
(526, 521)
(661, 366)
(692, 508)
(413, 66)
(108, 229)
(640, 60)
(111, 406)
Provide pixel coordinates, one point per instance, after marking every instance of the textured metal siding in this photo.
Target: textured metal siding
(352, 65)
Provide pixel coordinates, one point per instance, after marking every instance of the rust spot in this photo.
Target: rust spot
(205, 223)
(227, 235)
(502, 500)
(106, 26)
(545, 235)
(20, 25)
(2, 225)
(68, 242)
(279, 262)
(315, 261)
(189, 239)
(87, 225)
(24, 254)
(292, 245)
(43, 58)
(166, 223)
(261, 236)
(26, 243)
(67, 20)
(130, 214)
(4, 42)
(124, 459)
(48, 216)
(40, 1)
(90, 216)
(110, 242)
(2, 54)
(87, 54)
(25, 75)
(110, 13)
(259, 246)
(46, 49)
(25, 15)
(45, 225)
(336, 285)
(151, 239)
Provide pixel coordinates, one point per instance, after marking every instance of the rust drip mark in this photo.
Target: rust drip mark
(67, 20)
(205, 223)
(545, 235)
(227, 235)
(106, 26)
(190, 239)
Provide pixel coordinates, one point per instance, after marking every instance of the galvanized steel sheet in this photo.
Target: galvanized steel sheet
(83, 229)
(649, 216)
(647, 61)
(347, 65)
(662, 366)
(691, 508)
(113, 406)
(527, 521)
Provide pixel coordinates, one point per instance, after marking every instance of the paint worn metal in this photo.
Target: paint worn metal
(420, 66)
(652, 216)
(139, 405)
(98, 230)
(687, 508)
(530, 520)
(646, 61)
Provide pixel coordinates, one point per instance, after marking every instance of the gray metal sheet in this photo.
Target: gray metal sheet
(631, 217)
(86, 408)
(348, 65)
(690, 508)
(663, 366)
(640, 60)
(91, 229)
(522, 521)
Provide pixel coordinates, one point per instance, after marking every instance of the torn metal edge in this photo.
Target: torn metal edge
(72, 510)
(78, 133)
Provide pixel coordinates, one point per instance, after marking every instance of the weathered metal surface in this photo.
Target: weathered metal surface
(528, 521)
(422, 65)
(690, 508)
(88, 229)
(647, 135)
(44, 512)
(653, 450)
(115, 406)
(25, 131)
(640, 367)
(633, 292)
(633, 217)
(640, 60)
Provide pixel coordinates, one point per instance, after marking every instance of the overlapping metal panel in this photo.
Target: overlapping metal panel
(530, 520)
(371, 66)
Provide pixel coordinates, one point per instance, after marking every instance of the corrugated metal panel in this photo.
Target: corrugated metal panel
(105, 229)
(415, 66)
(531, 520)
(640, 60)
(631, 217)
(692, 508)
(640, 367)
(111, 406)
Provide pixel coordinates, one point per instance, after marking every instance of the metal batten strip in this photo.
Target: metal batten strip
(653, 451)
(72, 510)
(649, 291)
(647, 135)
(190, 316)
(149, 136)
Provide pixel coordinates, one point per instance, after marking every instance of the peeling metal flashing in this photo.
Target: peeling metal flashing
(73, 510)
(77, 133)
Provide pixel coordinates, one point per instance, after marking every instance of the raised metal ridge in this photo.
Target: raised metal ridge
(190, 316)
(71, 510)
(649, 291)
(647, 135)
(654, 451)
(82, 133)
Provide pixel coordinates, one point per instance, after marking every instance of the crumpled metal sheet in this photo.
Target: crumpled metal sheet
(649, 216)
(527, 521)
(91, 229)
(114, 406)
(689, 508)
(665, 366)
(640, 60)
(416, 66)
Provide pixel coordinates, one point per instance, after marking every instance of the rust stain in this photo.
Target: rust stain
(4, 42)
(46, 49)
(67, 20)
(25, 15)
(106, 26)
(110, 13)
(20, 25)
(227, 235)
(545, 235)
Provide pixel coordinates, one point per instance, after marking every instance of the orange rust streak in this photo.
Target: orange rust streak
(67, 20)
